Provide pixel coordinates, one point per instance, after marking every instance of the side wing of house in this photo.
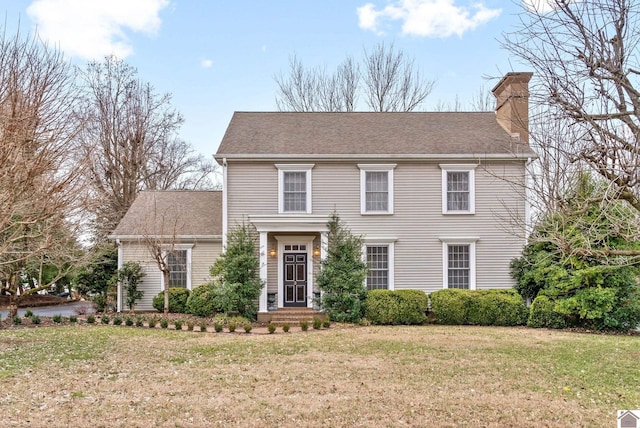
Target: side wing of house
(191, 266)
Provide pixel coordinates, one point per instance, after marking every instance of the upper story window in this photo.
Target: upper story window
(376, 188)
(458, 189)
(294, 188)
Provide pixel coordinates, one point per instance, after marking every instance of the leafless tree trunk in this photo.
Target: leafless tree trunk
(388, 82)
(130, 141)
(40, 199)
(584, 55)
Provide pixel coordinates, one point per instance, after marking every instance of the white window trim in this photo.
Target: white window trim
(179, 247)
(378, 242)
(470, 168)
(306, 168)
(364, 168)
(471, 242)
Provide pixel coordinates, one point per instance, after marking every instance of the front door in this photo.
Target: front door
(295, 279)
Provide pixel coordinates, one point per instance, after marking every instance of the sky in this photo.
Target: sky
(220, 56)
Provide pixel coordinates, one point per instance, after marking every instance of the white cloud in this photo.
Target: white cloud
(206, 63)
(91, 29)
(427, 18)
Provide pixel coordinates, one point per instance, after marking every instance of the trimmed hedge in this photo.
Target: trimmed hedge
(178, 297)
(405, 307)
(479, 307)
(543, 314)
(201, 301)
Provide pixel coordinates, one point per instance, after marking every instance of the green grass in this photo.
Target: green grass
(428, 376)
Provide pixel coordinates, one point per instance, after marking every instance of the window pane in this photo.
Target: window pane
(378, 264)
(177, 263)
(295, 191)
(458, 266)
(458, 191)
(377, 191)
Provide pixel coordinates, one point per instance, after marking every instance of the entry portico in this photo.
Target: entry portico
(291, 249)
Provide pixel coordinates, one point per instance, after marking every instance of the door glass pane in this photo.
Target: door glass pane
(288, 273)
(300, 276)
(289, 294)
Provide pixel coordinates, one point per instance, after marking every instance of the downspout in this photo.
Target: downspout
(120, 264)
(224, 203)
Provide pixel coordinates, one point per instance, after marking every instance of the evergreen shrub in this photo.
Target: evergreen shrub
(407, 307)
(178, 297)
(478, 307)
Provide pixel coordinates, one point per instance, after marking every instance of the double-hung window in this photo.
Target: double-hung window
(379, 257)
(376, 188)
(294, 188)
(459, 264)
(458, 189)
(178, 259)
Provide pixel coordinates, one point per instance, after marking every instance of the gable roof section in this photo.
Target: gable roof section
(180, 213)
(368, 134)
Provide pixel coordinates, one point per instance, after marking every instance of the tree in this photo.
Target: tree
(584, 55)
(237, 281)
(130, 276)
(130, 141)
(40, 198)
(94, 277)
(388, 82)
(343, 274)
(580, 287)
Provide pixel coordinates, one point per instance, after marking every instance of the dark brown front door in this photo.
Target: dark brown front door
(295, 279)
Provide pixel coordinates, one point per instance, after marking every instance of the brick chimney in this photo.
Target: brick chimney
(512, 104)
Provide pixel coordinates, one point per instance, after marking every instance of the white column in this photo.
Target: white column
(120, 264)
(324, 245)
(264, 252)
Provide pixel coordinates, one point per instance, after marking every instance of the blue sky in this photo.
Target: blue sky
(220, 56)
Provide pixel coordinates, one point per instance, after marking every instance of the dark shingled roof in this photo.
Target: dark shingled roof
(168, 212)
(429, 134)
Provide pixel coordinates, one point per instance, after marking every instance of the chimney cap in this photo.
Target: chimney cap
(513, 77)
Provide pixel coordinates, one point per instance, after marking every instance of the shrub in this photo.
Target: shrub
(203, 326)
(178, 297)
(217, 327)
(139, 322)
(164, 323)
(342, 275)
(406, 307)
(177, 324)
(17, 320)
(542, 314)
(304, 325)
(317, 323)
(35, 319)
(326, 323)
(105, 319)
(271, 328)
(117, 320)
(91, 319)
(200, 302)
(73, 319)
(479, 307)
(28, 313)
(231, 327)
(57, 318)
(128, 321)
(247, 328)
(152, 323)
(190, 325)
(285, 328)
(99, 302)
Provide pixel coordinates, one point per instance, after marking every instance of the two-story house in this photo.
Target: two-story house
(438, 197)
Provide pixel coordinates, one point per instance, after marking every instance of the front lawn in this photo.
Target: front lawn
(342, 377)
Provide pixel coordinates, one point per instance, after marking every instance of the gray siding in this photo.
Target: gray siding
(203, 255)
(417, 222)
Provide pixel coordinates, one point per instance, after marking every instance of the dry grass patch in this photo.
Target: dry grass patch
(361, 376)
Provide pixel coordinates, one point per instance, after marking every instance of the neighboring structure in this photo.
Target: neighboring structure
(185, 223)
(438, 197)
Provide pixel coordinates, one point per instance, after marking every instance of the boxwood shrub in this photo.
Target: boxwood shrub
(396, 307)
(479, 307)
(543, 314)
(201, 301)
(177, 300)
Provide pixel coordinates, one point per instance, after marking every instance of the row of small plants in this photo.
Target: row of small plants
(36, 319)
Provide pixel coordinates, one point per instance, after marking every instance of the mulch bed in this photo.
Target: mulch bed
(34, 300)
